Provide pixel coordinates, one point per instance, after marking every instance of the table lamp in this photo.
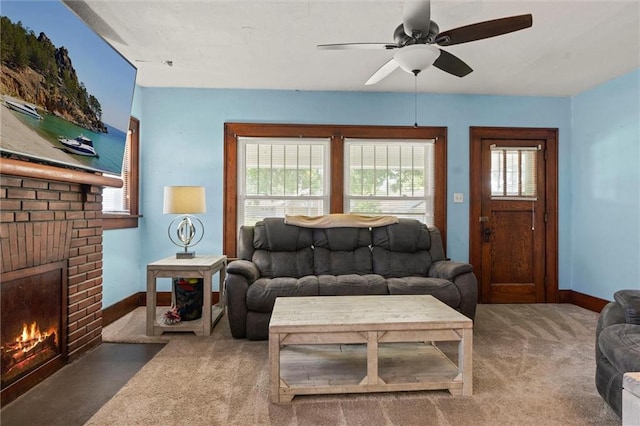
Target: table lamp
(185, 201)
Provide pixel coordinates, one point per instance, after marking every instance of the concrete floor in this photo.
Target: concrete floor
(74, 393)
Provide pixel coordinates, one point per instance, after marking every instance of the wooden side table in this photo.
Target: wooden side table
(199, 267)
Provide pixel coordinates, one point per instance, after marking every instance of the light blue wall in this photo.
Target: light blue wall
(122, 266)
(605, 188)
(182, 144)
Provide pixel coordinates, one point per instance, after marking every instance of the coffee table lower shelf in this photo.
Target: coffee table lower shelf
(342, 368)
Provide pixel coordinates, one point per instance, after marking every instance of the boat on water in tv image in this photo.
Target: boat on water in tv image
(80, 145)
(24, 108)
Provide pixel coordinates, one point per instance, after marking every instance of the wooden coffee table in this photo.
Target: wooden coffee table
(355, 344)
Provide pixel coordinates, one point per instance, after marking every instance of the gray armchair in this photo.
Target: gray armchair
(617, 345)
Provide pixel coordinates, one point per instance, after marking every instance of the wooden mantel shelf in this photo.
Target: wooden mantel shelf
(13, 167)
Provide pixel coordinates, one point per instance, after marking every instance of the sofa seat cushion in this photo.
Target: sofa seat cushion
(262, 294)
(620, 344)
(441, 289)
(351, 284)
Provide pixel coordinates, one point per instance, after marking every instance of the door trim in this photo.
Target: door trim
(476, 135)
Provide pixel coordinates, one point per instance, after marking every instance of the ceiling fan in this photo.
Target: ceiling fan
(415, 36)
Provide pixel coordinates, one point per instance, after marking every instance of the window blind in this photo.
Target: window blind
(278, 176)
(390, 177)
(513, 172)
(117, 200)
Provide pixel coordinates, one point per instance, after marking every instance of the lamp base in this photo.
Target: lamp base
(185, 255)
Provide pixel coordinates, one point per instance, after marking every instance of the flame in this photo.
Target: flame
(30, 337)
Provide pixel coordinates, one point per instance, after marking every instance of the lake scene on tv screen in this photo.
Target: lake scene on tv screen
(66, 93)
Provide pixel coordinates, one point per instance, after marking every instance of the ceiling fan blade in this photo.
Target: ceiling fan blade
(416, 17)
(348, 46)
(383, 71)
(483, 30)
(450, 63)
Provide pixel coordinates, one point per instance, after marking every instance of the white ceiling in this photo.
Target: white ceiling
(573, 45)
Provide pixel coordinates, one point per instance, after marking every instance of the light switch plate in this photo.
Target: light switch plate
(458, 197)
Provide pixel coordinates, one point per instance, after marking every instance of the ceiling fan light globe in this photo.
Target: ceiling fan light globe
(416, 57)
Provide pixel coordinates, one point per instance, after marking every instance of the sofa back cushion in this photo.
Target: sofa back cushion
(629, 300)
(342, 251)
(436, 250)
(402, 249)
(245, 243)
(282, 250)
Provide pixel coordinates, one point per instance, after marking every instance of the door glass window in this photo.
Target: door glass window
(513, 172)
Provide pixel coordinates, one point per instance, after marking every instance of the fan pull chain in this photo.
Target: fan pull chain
(415, 98)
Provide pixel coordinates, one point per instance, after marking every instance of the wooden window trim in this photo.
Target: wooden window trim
(122, 221)
(337, 134)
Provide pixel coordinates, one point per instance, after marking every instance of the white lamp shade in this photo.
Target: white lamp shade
(416, 57)
(184, 200)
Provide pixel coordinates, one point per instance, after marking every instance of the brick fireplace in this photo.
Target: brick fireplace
(51, 226)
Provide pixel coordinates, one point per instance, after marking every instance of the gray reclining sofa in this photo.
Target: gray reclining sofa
(617, 345)
(279, 260)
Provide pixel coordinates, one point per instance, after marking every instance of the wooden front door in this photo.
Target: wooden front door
(513, 239)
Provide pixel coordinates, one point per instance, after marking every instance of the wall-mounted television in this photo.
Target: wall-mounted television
(66, 93)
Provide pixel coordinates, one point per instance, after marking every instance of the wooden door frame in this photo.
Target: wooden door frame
(476, 135)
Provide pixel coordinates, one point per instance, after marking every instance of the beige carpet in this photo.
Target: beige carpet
(533, 365)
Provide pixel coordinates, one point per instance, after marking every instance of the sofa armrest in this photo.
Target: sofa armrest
(240, 275)
(611, 314)
(449, 270)
(462, 276)
(247, 269)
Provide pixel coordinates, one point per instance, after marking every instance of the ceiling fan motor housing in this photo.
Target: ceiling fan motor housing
(403, 39)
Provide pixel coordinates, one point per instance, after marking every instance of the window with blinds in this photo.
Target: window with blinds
(390, 177)
(513, 172)
(117, 200)
(278, 176)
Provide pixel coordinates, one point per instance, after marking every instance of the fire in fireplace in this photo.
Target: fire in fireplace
(31, 348)
(33, 302)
